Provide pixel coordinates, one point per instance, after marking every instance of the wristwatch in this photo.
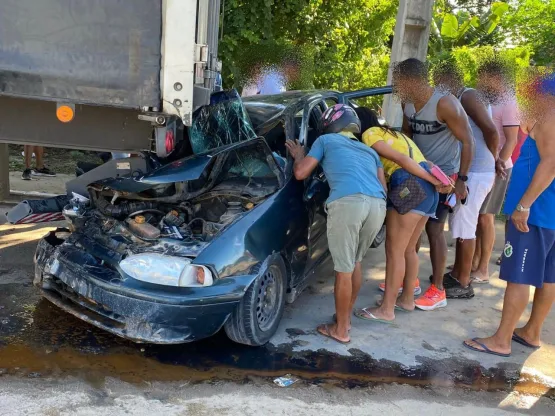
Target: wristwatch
(463, 178)
(520, 208)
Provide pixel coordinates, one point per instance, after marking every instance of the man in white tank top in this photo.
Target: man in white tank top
(438, 124)
(481, 176)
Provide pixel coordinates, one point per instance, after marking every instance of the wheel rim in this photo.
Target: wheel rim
(267, 301)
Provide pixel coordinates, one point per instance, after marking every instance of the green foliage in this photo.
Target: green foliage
(532, 22)
(452, 28)
(342, 45)
(468, 59)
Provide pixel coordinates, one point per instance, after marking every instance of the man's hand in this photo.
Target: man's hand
(444, 189)
(501, 169)
(295, 149)
(460, 190)
(520, 220)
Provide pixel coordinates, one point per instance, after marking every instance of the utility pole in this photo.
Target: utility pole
(412, 32)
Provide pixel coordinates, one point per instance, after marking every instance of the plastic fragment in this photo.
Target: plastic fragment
(286, 381)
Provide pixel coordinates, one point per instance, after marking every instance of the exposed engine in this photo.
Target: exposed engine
(144, 224)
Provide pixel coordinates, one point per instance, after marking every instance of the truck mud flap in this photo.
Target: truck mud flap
(38, 210)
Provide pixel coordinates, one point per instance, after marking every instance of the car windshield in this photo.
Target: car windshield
(219, 124)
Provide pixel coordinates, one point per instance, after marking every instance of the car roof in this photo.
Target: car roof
(262, 108)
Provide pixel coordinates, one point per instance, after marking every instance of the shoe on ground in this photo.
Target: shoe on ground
(448, 280)
(26, 175)
(43, 172)
(457, 291)
(417, 288)
(432, 299)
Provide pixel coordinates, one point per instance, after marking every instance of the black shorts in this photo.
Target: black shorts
(442, 210)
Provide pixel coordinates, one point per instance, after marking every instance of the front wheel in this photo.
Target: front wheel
(256, 318)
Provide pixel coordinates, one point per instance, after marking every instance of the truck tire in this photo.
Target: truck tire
(256, 318)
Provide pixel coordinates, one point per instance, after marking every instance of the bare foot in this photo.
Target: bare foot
(529, 338)
(330, 331)
(491, 346)
(479, 276)
(380, 313)
(405, 305)
(335, 321)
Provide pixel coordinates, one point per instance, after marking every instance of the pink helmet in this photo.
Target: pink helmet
(338, 118)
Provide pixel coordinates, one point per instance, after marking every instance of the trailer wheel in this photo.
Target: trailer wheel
(256, 318)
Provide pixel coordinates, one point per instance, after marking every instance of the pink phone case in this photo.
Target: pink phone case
(440, 175)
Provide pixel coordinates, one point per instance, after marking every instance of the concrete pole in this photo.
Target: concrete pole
(4, 172)
(412, 32)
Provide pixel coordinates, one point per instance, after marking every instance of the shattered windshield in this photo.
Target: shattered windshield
(223, 122)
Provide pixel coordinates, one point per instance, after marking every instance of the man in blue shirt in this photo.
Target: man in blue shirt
(529, 254)
(356, 206)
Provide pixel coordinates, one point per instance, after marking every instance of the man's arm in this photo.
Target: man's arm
(304, 165)
(477, 111)
(451, 112)
(544, 175)
(511, 134)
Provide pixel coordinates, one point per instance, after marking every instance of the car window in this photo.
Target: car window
(248, 166)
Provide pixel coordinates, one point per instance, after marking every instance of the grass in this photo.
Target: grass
(59, 160)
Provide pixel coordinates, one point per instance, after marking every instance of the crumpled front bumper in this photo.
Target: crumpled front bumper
(135, 316)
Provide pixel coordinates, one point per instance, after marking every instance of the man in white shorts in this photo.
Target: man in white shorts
(481, 176)
(494, 78)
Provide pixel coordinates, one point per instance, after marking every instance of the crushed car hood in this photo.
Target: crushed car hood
(188, 169)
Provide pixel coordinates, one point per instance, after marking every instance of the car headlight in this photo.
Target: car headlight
(166, 270)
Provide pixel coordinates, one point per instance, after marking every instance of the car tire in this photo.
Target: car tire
(256, 318)
(380, 237)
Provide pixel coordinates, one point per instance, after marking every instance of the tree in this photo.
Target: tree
(532, 22)
(452, 28)
(347, 41)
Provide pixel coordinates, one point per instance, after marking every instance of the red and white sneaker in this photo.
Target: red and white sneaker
(432, 299)
(417, 289)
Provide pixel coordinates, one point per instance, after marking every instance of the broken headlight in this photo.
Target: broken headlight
(164, 270)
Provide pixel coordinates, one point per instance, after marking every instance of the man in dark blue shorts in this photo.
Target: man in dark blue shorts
(529, 254)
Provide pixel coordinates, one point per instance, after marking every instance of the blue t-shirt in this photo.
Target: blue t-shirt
(350, 166)
(541, 211)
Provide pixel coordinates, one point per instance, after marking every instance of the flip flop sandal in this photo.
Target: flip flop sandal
(328, 334)
(478, 280)
(485, 350)
(522, 341)
(368, 316)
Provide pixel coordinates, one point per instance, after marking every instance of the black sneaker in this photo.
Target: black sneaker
(26, 175)
(459, 292)
(43, 172)
(448, 280)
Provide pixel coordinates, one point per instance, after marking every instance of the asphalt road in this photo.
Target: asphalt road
(41, 343)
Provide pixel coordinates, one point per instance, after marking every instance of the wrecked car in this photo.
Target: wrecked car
(221, 238)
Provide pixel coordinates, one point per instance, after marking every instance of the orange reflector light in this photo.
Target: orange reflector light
(201, 276)
(65, 113)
